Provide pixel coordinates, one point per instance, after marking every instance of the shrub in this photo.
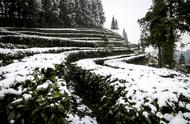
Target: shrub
(40, 102)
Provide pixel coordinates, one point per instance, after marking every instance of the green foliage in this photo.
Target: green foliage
(43, 105)
(52, 13)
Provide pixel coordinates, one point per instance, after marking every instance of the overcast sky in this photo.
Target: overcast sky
(127, 12)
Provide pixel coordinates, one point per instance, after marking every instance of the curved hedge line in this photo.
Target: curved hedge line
(43, 42)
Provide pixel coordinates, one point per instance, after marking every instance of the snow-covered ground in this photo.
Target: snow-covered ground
(23, 70)
(144, 85)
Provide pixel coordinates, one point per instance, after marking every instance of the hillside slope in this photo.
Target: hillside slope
(83, 76)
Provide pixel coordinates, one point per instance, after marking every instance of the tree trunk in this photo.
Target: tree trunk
(171, 39)
(159, 57)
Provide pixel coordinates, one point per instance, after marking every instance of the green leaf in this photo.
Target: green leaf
(57, 95)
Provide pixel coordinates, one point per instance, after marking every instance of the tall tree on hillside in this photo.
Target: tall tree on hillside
(153, 25)
(114, 24)
(101, 17)
(162, 24)
(125, 35)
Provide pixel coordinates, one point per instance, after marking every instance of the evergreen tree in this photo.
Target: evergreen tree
(125, 35)
(52, 13)
(114, 24)
(100, 12)
(182, 59)
(153, 25)
(162, 24)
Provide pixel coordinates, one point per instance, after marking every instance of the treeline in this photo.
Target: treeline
(51, 13)
(163, 25)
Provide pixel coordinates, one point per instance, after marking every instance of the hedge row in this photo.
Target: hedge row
(43, 42)
(12, 46)
(76, 30)
(37, 108)
(49, 42)
(36, 105)
(74, 35)
(93, 54)
(39, 104)
(102, 97)
(98, 93)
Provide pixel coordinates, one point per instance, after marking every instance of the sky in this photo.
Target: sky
(127, 12)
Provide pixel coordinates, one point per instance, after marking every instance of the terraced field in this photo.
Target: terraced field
(88, 76)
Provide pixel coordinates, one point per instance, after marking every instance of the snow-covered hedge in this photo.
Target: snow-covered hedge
(11, 54)
(38, 41)
(145, 94)
(102, 98)
(45, 98)
(65, 30)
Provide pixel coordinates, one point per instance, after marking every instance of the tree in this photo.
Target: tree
(162, 25)
(182, 59)
(100, 12)
(114, 24)
(125, 35)
(52, 13)
(153, 25)
(142, 42)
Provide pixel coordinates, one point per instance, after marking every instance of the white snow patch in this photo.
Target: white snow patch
(44, 85)
(27, 96)
(75, 119)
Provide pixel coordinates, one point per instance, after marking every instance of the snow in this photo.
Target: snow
(63, 87)
(27, 96)
(9, 91)
(168, 117)
(44, 85)
(19, 71)
(23, 70)
(178, 119)
(12, 121)
(142, 82)
(75, 119)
